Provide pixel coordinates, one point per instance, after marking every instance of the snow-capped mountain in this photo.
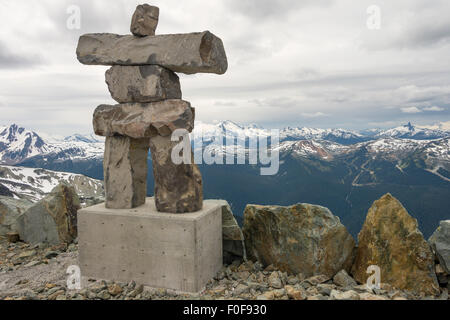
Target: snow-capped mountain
(33, 184)
(409, 131)
(337, 135)
(18, 144)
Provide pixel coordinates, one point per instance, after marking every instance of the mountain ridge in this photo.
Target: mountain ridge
(344, 177)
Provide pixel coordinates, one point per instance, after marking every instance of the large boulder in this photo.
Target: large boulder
(440, 242)
(233, 238)
(10, 211)
(302, 238)
(52, 220)
(390, 239)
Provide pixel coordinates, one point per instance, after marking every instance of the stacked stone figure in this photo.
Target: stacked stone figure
(142, 80)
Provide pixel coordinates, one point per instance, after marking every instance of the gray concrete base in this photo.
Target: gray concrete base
(162, 250)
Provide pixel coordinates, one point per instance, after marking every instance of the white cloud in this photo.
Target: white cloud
(411, 110)
(314, 114)
(433, 108)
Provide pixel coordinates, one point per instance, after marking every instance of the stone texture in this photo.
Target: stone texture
(145, 20)
(142, 84)
(161, 250)
(440, 242)
(125, 172)
(137, 120)
(348, 295)
(344, 280)
(13, 237)
(390, 239)
(52, 220)
(10, 211)
(233, 238)
(199, 52)
(302, 238)
(178, 187)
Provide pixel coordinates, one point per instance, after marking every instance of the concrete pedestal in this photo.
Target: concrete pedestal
(173, 251)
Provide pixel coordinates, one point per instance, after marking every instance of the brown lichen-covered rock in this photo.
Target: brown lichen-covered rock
(390, 239)
(198, 52)
(136, 120)
(145, 20)
(52, 220)
(302, 238)
(125, 172)
(142, 84)
(178, 187)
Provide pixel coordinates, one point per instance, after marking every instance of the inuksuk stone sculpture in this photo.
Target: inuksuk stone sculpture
(175, 242)
(143, 80)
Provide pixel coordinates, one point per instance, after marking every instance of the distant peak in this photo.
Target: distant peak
(254, 126)
(409, 126)
(228, 123)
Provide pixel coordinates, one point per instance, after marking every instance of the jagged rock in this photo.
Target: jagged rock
(13, 237)
(198, 52)
(136, 120)
(275, 281)
(178, 187)
(233, 238)
(442, 275)
(142, 84)
(145, 20)
(344, 280)
(296, 293)
(347, 295)
(115, 289)
(10, 211)
(52, 220)
(390, 239)
(440, 242)
(125, 171)
(371, 297)
(318, 279)
(302, 238)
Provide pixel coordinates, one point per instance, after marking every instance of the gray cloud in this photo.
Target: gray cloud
(10, 60)
(269, 9)
(291, 62)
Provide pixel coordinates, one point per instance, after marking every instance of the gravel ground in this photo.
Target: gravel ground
(39, 273)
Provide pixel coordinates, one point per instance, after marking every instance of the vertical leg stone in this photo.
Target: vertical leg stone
(178, 188)
(125, 170)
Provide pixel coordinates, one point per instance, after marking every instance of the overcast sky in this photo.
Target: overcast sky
(293, 62)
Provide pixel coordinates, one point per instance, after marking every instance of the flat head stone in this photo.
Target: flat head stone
(145, 20)
(143, 120)
(142, 84)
